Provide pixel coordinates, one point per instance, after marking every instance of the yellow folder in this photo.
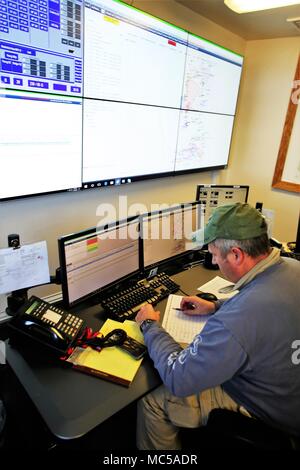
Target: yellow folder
(111, 363)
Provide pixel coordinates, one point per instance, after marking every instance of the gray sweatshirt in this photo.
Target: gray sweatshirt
(247, 347)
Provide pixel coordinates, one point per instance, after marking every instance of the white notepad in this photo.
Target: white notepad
(180, 326)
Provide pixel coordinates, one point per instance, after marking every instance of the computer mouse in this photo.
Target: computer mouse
(207, 296)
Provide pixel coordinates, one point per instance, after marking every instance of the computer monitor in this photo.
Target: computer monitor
(96, 259)
(212, 196)
(166, 234)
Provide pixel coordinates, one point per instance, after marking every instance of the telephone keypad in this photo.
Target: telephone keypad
(47, 325)
(68, 324)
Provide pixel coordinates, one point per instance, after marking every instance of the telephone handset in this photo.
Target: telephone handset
(47, 325)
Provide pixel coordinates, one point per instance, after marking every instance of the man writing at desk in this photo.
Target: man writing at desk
(242, 359)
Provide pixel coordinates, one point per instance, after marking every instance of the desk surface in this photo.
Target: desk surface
(72, 403)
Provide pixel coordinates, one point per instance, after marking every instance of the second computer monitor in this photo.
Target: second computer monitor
(212, 196)
(166, 234)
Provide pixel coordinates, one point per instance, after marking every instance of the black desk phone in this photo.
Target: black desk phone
(46, 325)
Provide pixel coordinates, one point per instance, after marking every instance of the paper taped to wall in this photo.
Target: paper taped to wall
(23, 267)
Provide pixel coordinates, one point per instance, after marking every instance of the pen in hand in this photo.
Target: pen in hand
(189, 306)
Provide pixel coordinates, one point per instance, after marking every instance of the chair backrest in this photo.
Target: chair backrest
(237, 429)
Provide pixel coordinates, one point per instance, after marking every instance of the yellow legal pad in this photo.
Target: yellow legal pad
(111, 363)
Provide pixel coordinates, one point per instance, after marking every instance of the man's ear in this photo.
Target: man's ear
(238, 254)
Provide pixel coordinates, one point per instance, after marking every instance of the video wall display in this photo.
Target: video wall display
(97, 93)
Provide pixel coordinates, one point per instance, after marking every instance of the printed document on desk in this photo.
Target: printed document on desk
(215, 285)
(183, 328)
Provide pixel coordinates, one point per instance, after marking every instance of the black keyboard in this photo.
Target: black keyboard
(125, 305)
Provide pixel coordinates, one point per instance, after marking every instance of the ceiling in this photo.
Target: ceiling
(257, 25)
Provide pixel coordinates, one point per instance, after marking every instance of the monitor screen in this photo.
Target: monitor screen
(167, 233)
(95, 259)
(40, 143)
(98, 93)
(135, 128)
(166, 122)
(212, 196)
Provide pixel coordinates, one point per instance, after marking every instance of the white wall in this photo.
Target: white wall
(48, 217)
(269, 70)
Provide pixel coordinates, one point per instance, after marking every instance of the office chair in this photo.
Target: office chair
(243, 431)
(233, 430)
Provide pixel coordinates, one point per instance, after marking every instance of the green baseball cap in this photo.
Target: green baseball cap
(232, 222)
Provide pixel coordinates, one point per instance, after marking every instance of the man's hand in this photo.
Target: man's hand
(147, 312)
(193, 305)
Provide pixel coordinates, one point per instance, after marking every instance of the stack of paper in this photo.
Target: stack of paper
(110, 363)
(182, 327)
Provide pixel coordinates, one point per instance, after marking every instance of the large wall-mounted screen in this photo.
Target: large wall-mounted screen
(98, 93)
